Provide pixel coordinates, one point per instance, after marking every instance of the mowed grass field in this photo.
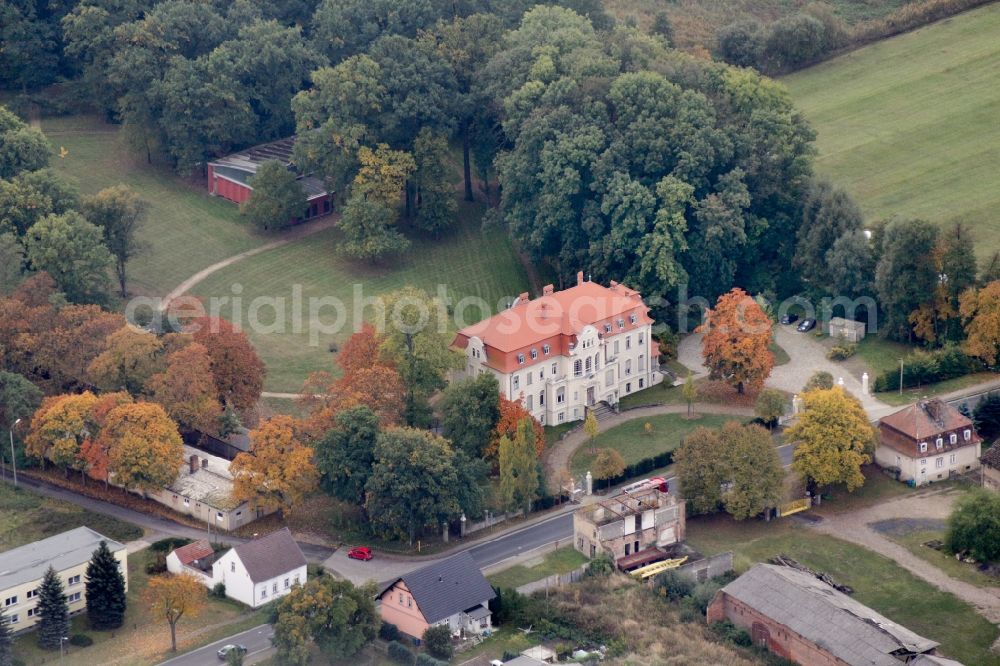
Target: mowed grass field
(911, 125)
(465, 262)
(186, 229)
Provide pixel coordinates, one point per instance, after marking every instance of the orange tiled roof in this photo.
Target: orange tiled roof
(926, 419)
(194, 551)
(555, 318)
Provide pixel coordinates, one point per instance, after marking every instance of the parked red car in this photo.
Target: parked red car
(363, 553)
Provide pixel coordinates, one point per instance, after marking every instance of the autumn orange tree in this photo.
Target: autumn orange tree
(512, 412)
(173, 597)
(52, 346)
(186, 389)
(237, 371)
(61, 426)
(737, 334)
(129, 358)
(367, 379)
(980, 310)
(278, 471)
(145, 450)
(95, 450)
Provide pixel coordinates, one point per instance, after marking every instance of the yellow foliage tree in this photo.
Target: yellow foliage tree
(278, 471)
(61, 427)
(608, 464)
(834, 438)
(145, 451)
(980, 310)
(382, 174)
(129, 358)
(173, 597)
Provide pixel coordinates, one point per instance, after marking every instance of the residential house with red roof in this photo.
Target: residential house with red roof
(566, 350)
(927, 442)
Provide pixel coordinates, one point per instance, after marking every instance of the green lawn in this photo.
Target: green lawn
(663, 393)
(186, 229)
(26, 517)
(631, 440)
(877, 581)
(465, 262)
(559, 561)
(877, 488)
(881, 355)
(914, 540)
(957, 384)
(909, 125)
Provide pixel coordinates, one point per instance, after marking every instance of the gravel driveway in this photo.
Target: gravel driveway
(855, 526)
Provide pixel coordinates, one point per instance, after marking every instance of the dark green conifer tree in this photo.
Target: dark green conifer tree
(105, 590)
(52, 611)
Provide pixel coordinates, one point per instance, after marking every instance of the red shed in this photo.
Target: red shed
(229, 176)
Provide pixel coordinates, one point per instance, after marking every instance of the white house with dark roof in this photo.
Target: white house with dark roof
(452, 591)
(69, 553)
(260, 571)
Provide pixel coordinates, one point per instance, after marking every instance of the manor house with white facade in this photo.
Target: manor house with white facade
(566, 350)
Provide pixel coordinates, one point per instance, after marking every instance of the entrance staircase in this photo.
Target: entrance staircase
(602, 411)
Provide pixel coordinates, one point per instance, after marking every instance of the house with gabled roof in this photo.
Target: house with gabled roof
(928, 441)
(451, 591)
(797, 616)
(262, 570)
(196, 558)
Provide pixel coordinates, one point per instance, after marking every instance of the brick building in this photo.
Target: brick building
(633, 528)
(801, 618)
(928, 441)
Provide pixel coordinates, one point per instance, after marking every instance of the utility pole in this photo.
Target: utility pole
(13, 460)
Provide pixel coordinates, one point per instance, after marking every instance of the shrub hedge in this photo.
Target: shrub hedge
(928, 367)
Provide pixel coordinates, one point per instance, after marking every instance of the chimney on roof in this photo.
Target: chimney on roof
(193, 463)
(579, 277)
(547, 290)
(613, 284)
(204, 463)
(523, 298)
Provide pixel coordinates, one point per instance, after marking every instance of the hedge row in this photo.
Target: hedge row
(928, 367)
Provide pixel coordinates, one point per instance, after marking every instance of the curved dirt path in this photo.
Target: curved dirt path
(855, 526)
(301, 231)
(559, 455)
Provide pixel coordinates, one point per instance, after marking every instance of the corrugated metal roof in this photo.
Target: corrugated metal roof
(446, 587)
(832, 620)
(62, 551)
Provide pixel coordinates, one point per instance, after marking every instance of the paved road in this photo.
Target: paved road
(257, 642)
(158, 527)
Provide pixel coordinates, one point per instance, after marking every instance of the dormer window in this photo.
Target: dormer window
(534, 354)
(520, 359)
(632, 318)
(607, 328)
(546, 349)
(967, 434)
(953, 438)
(923, 447)
(621, 323)
(939, 442)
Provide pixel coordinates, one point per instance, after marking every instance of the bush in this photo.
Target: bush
(388, 632)
(820, 379)
(730, 633)
(927, 367)
(427, 660)
(437, 640)
(673, 586)
(168, 544)
(400, 654)
(81, 640)
(602, 565)
(741, 43)
(795, 40)
(218, 591)
(842, 352)
(158, 565)
(973, 526)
